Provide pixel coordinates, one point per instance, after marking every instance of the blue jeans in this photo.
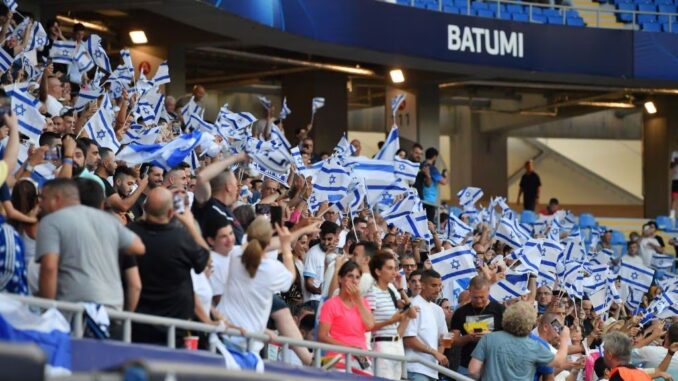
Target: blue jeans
(463, 371)
(419, 377)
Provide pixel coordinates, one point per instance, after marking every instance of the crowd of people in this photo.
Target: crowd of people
(117, 194)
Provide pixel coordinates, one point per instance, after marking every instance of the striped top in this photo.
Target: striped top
(382, 309)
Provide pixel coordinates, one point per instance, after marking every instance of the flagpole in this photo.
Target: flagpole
(350, 215)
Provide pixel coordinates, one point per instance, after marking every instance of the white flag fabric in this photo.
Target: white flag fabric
(98, 53)
(456, 230)
(38, 38)
(100, 129)
(86, 96)
(469, 196)
(162, 75)
(265, 102)
(31, 122)
(166, 156)
(316, 104)
(405, 169)
(62, 52)
(284, 110)
(395, 104)
(390, 147)
(530, 256)
(636, 276)
(512, 287)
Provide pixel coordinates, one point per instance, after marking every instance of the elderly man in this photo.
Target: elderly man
(617, 348)
(510, 354)
(173, 250)
(77, 247)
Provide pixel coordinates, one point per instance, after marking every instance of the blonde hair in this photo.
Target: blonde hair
(259, 235)
(519, 319)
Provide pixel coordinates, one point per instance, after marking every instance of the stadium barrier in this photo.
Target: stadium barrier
(172, 325)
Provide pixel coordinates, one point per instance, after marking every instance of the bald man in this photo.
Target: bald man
(175, 247)
(77, 247)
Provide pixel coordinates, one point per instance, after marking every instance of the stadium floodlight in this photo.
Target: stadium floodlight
(397, 76)
(650, 107)
(138, 37)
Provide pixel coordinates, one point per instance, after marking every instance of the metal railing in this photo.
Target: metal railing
(172, 325)
(563, 10)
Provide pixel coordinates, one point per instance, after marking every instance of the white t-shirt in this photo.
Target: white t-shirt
(651, 356)
(246, 301)
(646, 251)
(440, 319)
(202, 288)
(634, 260)
(314, 267)
(220, 267)
(424, 327)
(53, 106)
(330, 267)
(383, 309)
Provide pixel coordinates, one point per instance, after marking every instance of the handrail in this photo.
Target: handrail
(172, 324)
(563, 10)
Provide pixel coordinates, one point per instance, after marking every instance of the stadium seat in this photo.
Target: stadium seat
(575, 21)
(647, 19)
(403, 2)
(455, 211)
(528, 217)
(555, 20)
(461, 3)
(651, 27)
(551, 12)
(647, 8)
(485, 13)
(520, 17)
(450, 9)
(572, 13)
(504, 15)
(672, 29)
(539, 19)
(449, 3)
(625, 17)
(515, 8)
(537, 11)
(618, 242)
(664, 222)
(586, 220)
(477, 5)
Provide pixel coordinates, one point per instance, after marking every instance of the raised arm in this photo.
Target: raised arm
(203, 191)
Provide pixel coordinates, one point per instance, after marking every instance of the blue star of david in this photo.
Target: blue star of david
(40, 40)
(333, 179)
(455, 264)
(467, 194)
(402, 167)
(598, 277)
(101, 134)
(507, 298)
(97, 54)
(634, 275)
(20, 110)
(386, 198)
(65, 52)
(312, 200)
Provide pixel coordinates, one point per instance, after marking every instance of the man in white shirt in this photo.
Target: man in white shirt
(54, 93)
(649, 245)
(423, 333)
(632, 256)
(314, 264)
(221, 239)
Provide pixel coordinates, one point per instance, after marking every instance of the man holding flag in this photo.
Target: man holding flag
(428, 181)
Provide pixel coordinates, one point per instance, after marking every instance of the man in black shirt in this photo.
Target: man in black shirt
(530, 185)
(216, 190)
(481, 309)
(106, 169)
(174, 248)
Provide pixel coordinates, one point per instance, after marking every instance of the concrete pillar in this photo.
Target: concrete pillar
(660, 138)
(330, 122)
(478, 159)
(176, 57)
(428, 115)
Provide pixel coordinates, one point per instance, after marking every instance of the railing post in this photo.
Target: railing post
(468, 7)
(316, 358)
(529, 10)
(403, 370)
(127, 331)
(633, 15)
(597, 18)
(564, 15)
(172, 336)
(347, 362)
(286, 355)
(374, 365)
(498, 9)
(77, 322)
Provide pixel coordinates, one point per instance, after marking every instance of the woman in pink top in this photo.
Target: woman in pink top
(345, 318)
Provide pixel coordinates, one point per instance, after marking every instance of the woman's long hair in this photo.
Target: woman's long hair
(259, 235)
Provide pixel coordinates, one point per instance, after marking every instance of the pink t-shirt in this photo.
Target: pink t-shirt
(346, 325)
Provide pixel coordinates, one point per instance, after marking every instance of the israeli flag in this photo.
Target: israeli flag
(390, 147)
(632, 297)
(395, 104)
(573, 279)
(469, 196)
(189, 109)
(316, 104)
(124, 73)
(546, 278)
(86, 96)
(636, 276)
(509, 234)
(666, 305)
(284, 110)
(512, 287)
(554, 231)
(6, 60)
(456, 230)
(239, 120)
(612, 291)
(552, 252)
(100, 129)
(342, 148)
(602, 257)
(597, 278)
(83, 61)
(408, 215)
(529, 255)
(20, 30)
(375, 171)
(50, 331)
(599, 302)
(265, 102)
(166, 156)
(272, 165)
(98, 53)
(162, 75)
(455, 263)
(62, 51)
(662, 262)
(31, 122)
(405, 169)
(332, 181)
(354, 198)
(379, 193)
(38, 38)
(140, 134)
(11, 4)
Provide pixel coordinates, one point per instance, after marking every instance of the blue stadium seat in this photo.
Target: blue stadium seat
(664, 19)
(575, 21)
(420, 4)
(551, 12)
(618, 242)
(450, 9)
(520, 17)
(555, 20)
(461, 3)
(586, 220)
(663, 2)
(672, 29)
(403, 2)
(505, 15)
(647, 8)
(528, 217)
(515, 8)
(485, 13)
(449, 3)
(537, 11)
(642, 1)
(647, 19)
(663, 222)
(477, 5)
(539, 19)
(667, 8)
(625, 17)
(571, 13)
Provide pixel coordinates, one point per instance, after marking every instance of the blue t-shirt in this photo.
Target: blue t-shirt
(12, 261)
(541, 369)
(430, 192)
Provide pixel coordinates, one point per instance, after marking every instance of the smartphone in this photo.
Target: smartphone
(179, 203)
(555, 324)
(176, 128)
(53, 153)
(477, 330)
(263, 210)
(143, 171)
(5, 103)
(276, 215)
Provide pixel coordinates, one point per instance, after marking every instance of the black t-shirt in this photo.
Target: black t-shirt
(108, 187)
(529, 183)
(492, 312)
(211, 212)
(165, 269)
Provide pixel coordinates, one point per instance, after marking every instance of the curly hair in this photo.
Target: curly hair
(519, 319)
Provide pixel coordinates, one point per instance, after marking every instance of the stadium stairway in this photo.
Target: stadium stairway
(606, 20)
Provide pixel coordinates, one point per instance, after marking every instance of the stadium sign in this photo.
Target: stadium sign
(484, 41)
